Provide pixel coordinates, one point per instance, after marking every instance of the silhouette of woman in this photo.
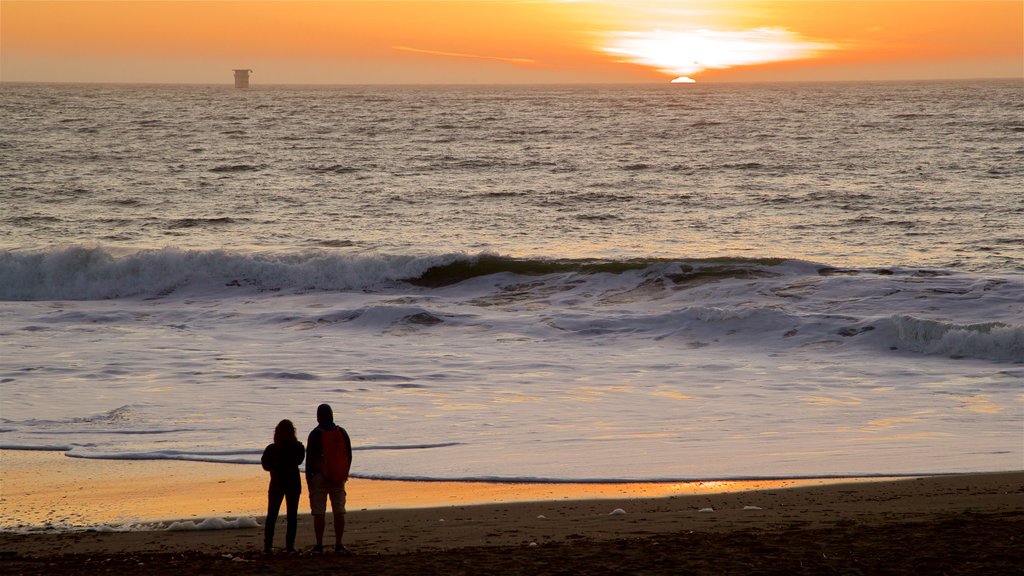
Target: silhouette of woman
(282, 459)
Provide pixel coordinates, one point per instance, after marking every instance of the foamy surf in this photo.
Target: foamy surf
(792, 302)
(212, 524)
(462, 367)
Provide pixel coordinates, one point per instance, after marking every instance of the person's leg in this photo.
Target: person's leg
(292, 503)
(319, 523)
(274, 498)
(339, 527)
(337, 495)
(318, 507)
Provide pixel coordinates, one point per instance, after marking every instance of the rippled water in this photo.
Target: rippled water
(849, 174)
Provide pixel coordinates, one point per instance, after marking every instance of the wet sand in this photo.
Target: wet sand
(49, 489)
(962, 524)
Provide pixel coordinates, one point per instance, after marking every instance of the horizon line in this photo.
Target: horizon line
(682, 86)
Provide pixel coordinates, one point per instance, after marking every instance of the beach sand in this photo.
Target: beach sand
(961, 524)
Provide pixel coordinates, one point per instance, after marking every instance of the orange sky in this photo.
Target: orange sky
(513, 41)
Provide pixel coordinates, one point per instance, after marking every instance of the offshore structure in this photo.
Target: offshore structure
(242, 78)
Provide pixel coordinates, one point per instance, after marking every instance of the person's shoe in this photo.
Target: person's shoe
(267, 551)
(340, 549)
(317, 550)
(291, 552)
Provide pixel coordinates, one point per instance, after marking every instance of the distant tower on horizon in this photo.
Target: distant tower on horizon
(242, 78)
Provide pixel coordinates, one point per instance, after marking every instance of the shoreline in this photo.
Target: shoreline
(47, 491)
(964, 524)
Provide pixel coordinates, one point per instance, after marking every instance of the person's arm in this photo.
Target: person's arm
(268, 458)
(348, 442)
(313, 451)
(298, 453)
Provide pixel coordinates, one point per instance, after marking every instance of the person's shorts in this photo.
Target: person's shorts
(320, 489)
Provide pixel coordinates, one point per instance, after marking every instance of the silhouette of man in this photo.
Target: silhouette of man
(323, 484)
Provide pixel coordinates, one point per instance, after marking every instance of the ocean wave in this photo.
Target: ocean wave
(213, 524)
(93, 273)
(986, 340)
(218, 457)
(236, 168)
(767, 302)
(200, 222)
(484, 265)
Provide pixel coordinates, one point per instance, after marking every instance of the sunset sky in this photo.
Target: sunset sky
(508, 41)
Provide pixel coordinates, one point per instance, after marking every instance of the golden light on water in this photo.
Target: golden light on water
(130, 491)
(685, 53)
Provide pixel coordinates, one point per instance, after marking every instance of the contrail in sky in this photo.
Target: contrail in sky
(461, 55)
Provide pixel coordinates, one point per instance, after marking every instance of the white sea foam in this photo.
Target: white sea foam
(80, 273)
(992, 340)
(671, 370)
(212, 524)
(663, 300)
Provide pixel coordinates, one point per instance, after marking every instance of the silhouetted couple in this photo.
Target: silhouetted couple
(328, 456)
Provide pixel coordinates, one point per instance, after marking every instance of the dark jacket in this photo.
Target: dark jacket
(315, 448)
(282, 461)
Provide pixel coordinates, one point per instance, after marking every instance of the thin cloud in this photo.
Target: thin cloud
(522, 61)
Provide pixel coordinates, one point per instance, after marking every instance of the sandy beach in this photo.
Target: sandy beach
(959, 524)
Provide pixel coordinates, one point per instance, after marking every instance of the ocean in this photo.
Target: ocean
(526, 283)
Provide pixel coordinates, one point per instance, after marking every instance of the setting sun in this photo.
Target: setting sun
(689, 52)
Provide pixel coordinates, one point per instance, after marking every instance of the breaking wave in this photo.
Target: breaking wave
(92, 273)
(991, 340)
(760, 302)
(80, 273)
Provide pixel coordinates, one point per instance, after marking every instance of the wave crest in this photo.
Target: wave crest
(93, 273)
(81, 273)
(988, 340)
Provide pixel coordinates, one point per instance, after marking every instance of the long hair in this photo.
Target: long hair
(285, 432)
